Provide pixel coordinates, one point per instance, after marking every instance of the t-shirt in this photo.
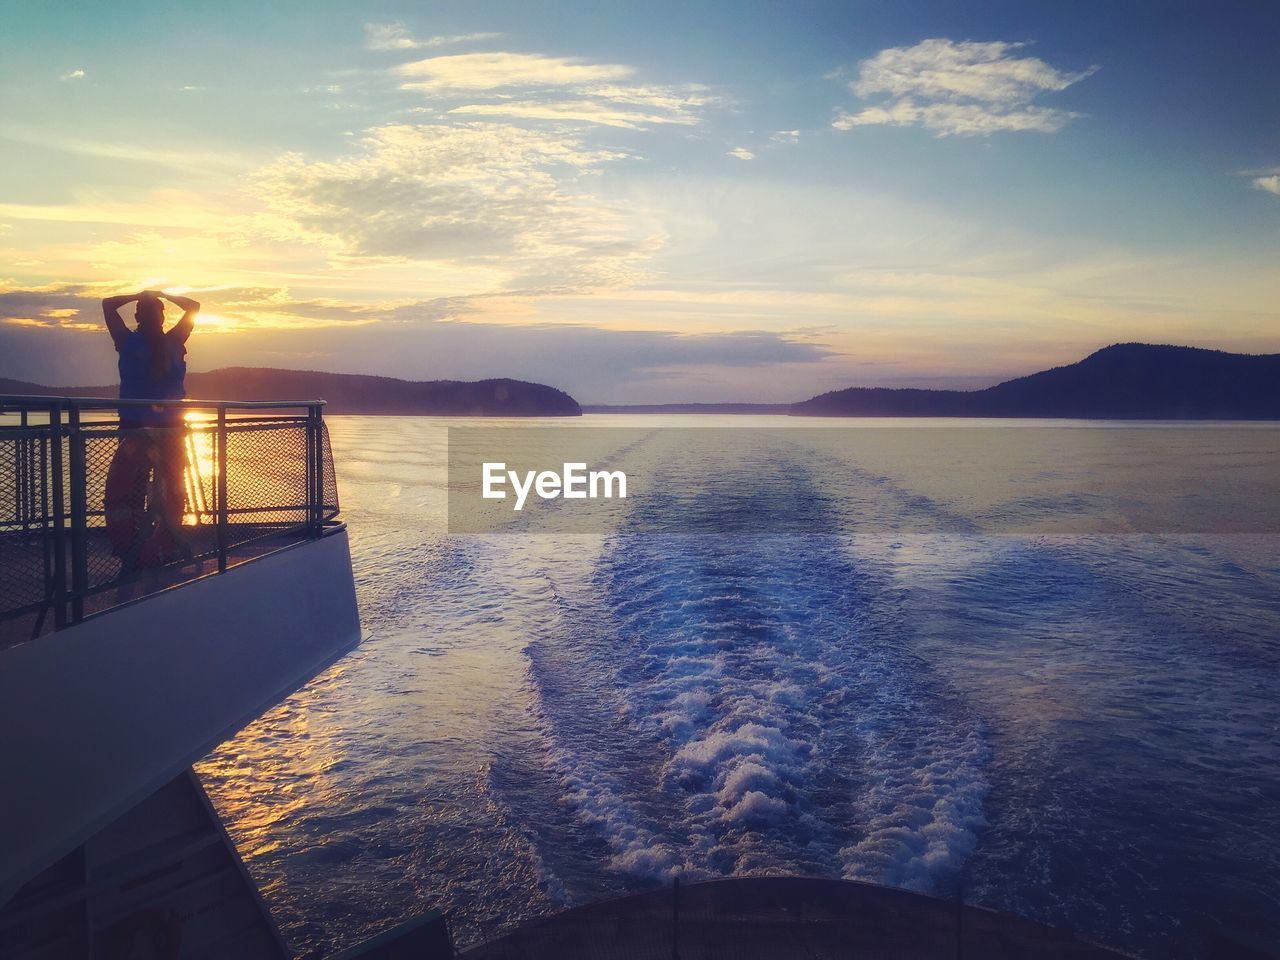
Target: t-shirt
(141, 378)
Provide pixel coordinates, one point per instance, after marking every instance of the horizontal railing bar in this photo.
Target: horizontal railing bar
(33, 430)
(13, 613)
(95, 403)
(99, 514)
(238, 425)
(36, 534)
(297, 528)
(110, 428)
(211, 423)
(232, 511)
(271, 508)
(13, 430)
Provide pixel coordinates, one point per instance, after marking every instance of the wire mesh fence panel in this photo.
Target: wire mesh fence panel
(268, 472)
(101, 445)
(329, 475)
(25, 550)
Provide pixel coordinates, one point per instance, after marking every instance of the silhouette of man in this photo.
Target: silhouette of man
(145, 489)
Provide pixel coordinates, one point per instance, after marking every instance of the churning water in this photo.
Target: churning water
(1079, 728)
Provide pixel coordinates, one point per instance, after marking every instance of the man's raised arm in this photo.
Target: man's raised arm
(182, 329)
(111, 313)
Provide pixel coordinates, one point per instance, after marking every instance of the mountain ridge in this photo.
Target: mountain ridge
(1122, 381)
(352, 393)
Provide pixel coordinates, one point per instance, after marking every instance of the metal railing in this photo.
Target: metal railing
(88, 506)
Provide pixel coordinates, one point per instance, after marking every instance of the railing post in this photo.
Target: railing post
(24, 471)
(309, 467)
(220, 457)
(79, 515)
(59, 540)
(45, 518)
(21, 460)
(315, 494)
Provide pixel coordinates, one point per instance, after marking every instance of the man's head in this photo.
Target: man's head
(150, 313)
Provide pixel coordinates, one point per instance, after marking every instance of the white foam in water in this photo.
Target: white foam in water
(746, 769)
(600, 800)
(750, 673)
(786, 724)
(922, 821)
(598, 797)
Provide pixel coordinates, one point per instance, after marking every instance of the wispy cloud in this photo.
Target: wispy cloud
(584, 111)
(500, 70)
(962, 88)
(1266, 179)
(956, 119)
(742, 153)
(396, 36)
(785, 136)
(1271, 183)
(73, 75)
(129, 149)
(474, 192)
(944, 69)
(482, 198)
(526, 86)
(54, 335)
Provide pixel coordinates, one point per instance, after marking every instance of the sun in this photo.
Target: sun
(215, 323)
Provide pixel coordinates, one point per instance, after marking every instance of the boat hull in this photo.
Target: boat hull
(99, 716)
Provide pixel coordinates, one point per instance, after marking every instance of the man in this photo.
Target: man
(145, 489)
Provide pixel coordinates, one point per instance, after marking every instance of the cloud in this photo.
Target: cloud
(73, 75)
(498, 70)
(129, 149)
(955, 119)
(584, 111)
(944, 69)
(962, 88)
(396, 36)
(1266, 179)
(479, 193)
(524, 86)
(77, 306)
(438, 338)
(785, 136)
(742, 153)
(52, 305)
(1271, 183)
(72, 306)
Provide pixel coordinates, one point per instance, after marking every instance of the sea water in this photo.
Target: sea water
(1074, 718)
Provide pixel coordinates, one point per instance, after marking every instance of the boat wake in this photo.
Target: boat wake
(764, 713)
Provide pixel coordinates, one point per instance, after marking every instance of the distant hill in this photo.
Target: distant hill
(734, 408)
(350, 393)
(1125, 381)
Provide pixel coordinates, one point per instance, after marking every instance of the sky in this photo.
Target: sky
(658, 202)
